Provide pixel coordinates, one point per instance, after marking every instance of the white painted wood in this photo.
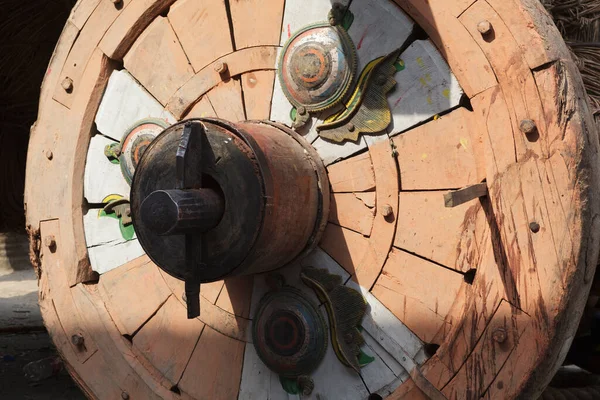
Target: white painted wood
(259, 382)
(106, 247)
(124, 102)
(379, 373)
(331, 152)
(299, 13)
(379, 27)
(101, 177)
(425, 87)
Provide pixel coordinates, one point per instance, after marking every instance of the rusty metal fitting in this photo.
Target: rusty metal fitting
(67, 84)
(534, 226)
(49, 155)
(50, 242)
(484, 27)
(528, 126)
(124, 395)
(386, 210)
(221, 68)
(499, 335)
(77, 340)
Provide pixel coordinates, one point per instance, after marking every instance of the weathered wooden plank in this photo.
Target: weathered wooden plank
(202, 109)
(352, 175)
(124, 103)
(383, 370)
(418, 292)
(258, 89)
(379, 27)
(445, 146)
(122, 288)
(346, 247)
(256, 22)
(83, 48)
(101, 176)
(204, 375)
(157, 60)
(452, 237)
(439, 19)
(107, 248)
(168, 339)
(226, 100)
(350, 212)
(258, 381)
(203, 29)
(461, 196)
(236, 295)
(81, 12)
(238, 62)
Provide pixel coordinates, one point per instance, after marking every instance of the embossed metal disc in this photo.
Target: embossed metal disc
(289, 333)
(135, 141)
(317, 66)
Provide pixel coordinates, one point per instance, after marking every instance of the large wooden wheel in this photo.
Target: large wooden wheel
(481, 299)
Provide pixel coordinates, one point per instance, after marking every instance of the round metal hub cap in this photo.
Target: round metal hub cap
(317, 66)
(135, 141)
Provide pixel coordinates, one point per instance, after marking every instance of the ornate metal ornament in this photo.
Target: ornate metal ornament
(289, 333)
(346, 308)
(317, 67)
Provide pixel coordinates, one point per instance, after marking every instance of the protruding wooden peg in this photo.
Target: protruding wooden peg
(461, 196)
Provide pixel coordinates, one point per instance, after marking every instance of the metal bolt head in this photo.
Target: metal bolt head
(332, 21)
(534, 226)
(484, 27)
(386, 210)
(77, 340)
(124, 395)
(301, 110)
(67, 84)
(49, 155)
(221, 68)
(351, 128)
(50, 241)
(527, 126)
(116, 2)
(499, 335)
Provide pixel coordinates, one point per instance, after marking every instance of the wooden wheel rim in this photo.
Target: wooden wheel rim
(544, 275)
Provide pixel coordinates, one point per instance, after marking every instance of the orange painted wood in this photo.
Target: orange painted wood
(236, 295)
(445, 146)
(256, 22)
(130, 24)
(123, 287)
(453, 237)
(215, 367)
(168, 339)
(348, 211)
(203, 29)
(202, 109)
(418, 292)
(514, 76)
(218, 319)
(439, 19)
(226, 99)
(83, 48)
(258, 91)
(352, 175)
(158, 62)
(489, 356)
(368, 198)
(238, 62)
(345, 246)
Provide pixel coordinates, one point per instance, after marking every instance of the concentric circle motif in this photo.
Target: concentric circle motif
(317, 67)
(289, 333)
(135, 141)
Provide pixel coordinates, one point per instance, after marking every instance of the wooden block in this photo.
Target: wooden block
(256, 22)
(102, 177)
(331, 152)
(418, 292)
(83, 48)
(81, 12)
(226, 99)
(450, 237)
(238, 62)
(346, 247)
(53, 264)
(425, 87)
(124, 103)
(467, 194)
(258, 89)
(439, 19)
(258, 381)
(130, 24)
(497, 344)
(379, 27)
(236, 295)
(157, 60)
(202, 28)
(514, 76)
(352, 175)
(122, 288)
(168, 339)
(202, 109)
(350, 212)
(204, 375)
(438, 154)
(107, 248)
